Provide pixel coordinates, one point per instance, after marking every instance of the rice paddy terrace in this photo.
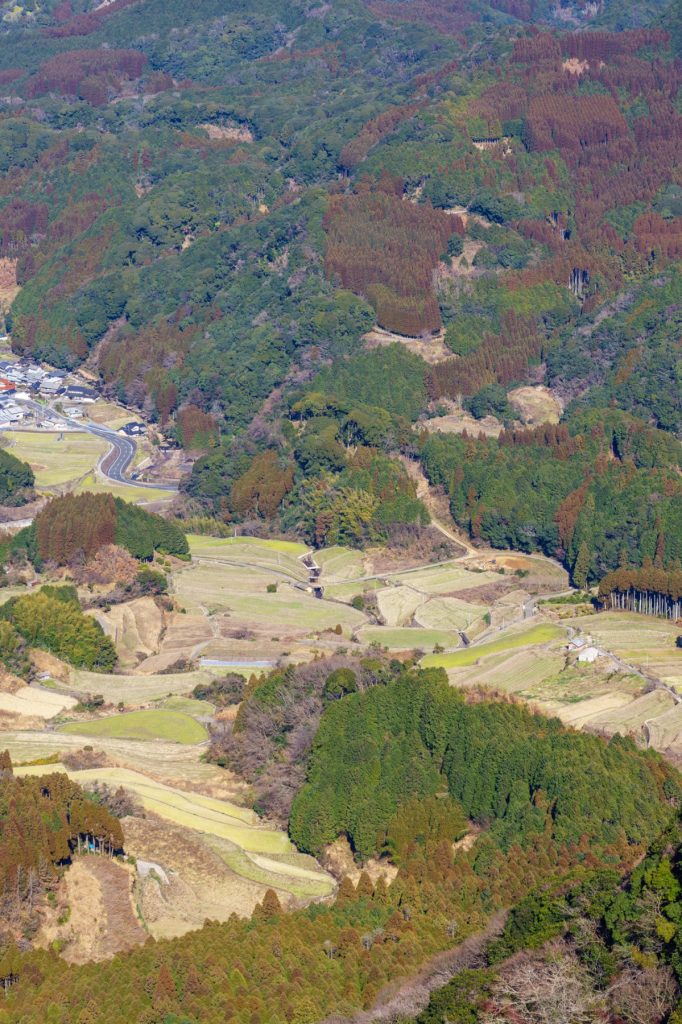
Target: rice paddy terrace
(244, 605)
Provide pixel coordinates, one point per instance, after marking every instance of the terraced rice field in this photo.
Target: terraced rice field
(407, 639)
(249, 848)
(35, 702)
(339, 564)
(347, 591)
(242, 591)
(173, 726)
(587, 712)
(641, 640)
(173, 764)
(138, 689)
(515, 671)
(189, 706)
(135, 628)
(665, 731)
(540, 634)
(289, 873)
(449, 613)
(631, 717)
(444, 579)
(398, 604)
(281, 557)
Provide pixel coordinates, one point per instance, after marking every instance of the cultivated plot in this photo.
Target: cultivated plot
(407, 639)
(35, 702)
(444, 579)
(641, 640)
(57, 458)
(242, 591)
(540, 634)
(172, 726)
(137, 688)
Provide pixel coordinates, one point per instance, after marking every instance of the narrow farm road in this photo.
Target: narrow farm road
(436, 507)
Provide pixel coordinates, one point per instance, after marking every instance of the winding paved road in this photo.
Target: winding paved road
(115, 464)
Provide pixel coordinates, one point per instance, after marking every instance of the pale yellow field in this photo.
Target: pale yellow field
(135, 495)
(32, 701)
(398, 604)
(191, 810)
(170, 763)
(339, 564)
(449, 613)
(443, 579)
(511, 671)
(641, 640)
(135, 628)
(632, 716)
(587, 712)
(138, 689)
(665, 731)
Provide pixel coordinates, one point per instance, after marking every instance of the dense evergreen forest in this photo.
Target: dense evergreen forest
(16, 480)
(602, 490)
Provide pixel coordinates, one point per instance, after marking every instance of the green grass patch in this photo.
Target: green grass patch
(173, 726)
(136, 495)
(189, 706)
(403, 638)
(199, 544)
(469, 655)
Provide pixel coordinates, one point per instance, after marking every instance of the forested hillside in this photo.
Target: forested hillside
(321, 246)
(213, 215)
(554, 806)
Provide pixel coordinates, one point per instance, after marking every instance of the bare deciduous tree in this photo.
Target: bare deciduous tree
(548, 988)
(644, 996)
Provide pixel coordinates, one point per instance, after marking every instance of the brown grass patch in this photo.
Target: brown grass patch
(536, 404)
(101, 920)
(431, 350)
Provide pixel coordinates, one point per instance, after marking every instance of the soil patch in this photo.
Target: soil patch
(432, 350)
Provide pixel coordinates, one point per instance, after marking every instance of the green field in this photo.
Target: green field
(286, 874)
(540, 634)
(407, 638)
(135, 495)
(216, 546)
(56, 461)
(173, 726)
(189, 706)
(241, 590)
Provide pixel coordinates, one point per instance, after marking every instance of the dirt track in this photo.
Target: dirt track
(409, 997)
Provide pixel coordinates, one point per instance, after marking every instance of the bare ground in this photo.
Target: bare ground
(432, 350)
(339, 861)
(536, 404)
